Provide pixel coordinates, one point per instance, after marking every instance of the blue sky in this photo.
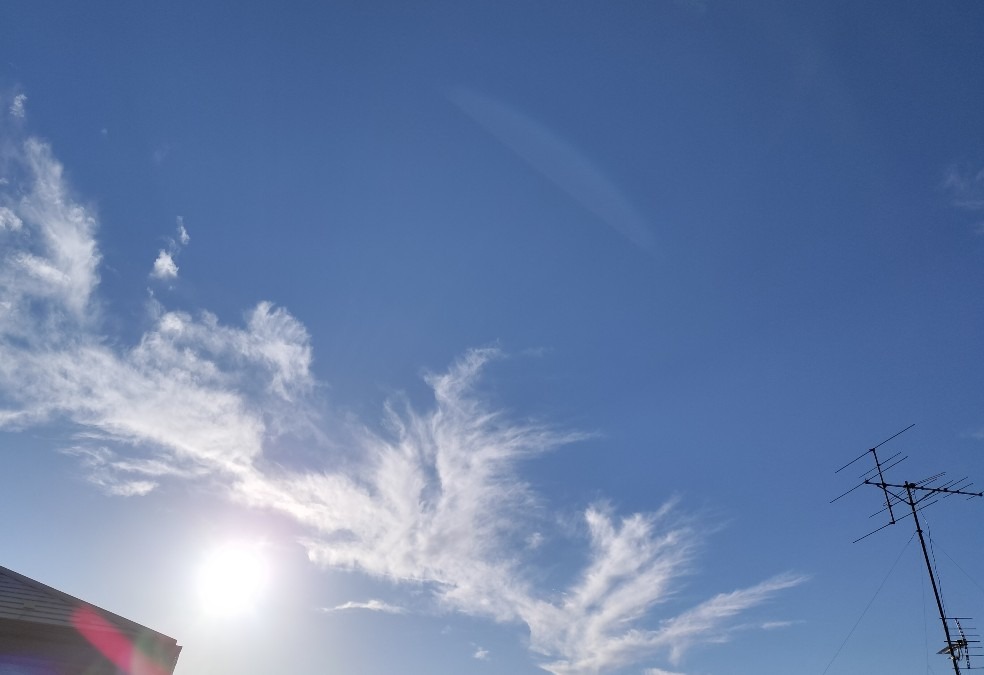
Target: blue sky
(512, 337)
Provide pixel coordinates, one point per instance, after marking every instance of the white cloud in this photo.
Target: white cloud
(370, 605)
(659, 671)
(183, 237)
(965, 186)
(774, 625)
(201, 396)
(48, 256)
(17, 106)
(434, 498)
(9, 220)
(123, 476)
(481, 654)
(164, 267)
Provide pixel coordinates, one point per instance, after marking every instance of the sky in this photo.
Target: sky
(494, 337)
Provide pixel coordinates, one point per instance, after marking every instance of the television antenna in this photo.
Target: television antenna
(917, 496)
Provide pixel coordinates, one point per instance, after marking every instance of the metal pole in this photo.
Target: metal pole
(932, 577)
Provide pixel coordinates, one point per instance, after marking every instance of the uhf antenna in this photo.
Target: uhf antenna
(918, 496)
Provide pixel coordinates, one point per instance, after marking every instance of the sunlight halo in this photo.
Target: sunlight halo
(232, 579)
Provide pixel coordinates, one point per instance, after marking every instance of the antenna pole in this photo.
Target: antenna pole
(932, 575)
(916, 494)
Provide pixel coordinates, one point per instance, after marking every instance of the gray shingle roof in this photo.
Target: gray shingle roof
(26, 603)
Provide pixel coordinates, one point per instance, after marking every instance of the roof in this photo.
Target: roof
(41, 616)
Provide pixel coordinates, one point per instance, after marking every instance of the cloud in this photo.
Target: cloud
(636, 564)
(164, 267)
(659, 671)
(370, 605)
(48, 254)
(9, 220)
(183, 237)
(558, 161)
(430, 497)
(773, 625)
(706, 619)
(123, 476)
(17, 108)
(481, 654)
(965, 186)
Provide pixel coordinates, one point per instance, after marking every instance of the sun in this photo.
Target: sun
(232, 579)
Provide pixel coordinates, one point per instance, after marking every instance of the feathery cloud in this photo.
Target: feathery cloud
(965, 186)
(433, 497)
(17, 108)
(370, 605)
(49, 256)
(9, 220)
(183, 237)
(774, 625)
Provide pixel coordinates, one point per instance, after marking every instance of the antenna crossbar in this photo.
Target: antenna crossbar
(923, 488)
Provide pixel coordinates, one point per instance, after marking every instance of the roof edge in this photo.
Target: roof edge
(121, 621)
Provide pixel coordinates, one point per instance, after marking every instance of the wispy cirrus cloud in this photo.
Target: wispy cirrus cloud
(965, 185)
(9, 220)
(774, 625)
(369, 605)
(558, 161)
(50, 256)
(432, 498)
(17, 106)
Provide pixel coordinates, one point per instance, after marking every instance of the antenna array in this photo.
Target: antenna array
(917, 496)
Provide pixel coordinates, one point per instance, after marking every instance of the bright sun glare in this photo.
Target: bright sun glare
(231, 579)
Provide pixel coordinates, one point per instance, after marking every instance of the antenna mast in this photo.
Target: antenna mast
(915, 496)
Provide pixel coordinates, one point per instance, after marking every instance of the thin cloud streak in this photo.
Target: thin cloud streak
(369, 605)
(434, 498)
(966, 189)
(558, 161)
